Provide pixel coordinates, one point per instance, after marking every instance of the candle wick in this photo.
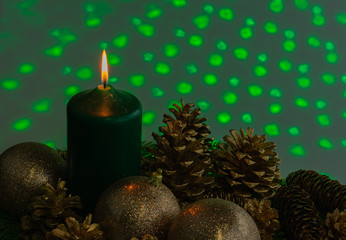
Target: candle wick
(104, 84)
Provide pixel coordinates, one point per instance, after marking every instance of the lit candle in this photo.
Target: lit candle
(103, 138)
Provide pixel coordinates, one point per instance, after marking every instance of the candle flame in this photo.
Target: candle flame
(104, 74)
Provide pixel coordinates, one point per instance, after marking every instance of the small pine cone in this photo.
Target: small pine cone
(336, 225)
(297, 213)
(326, 193)
(146, 237)
(227, 196)
(265, 217)
(249, 164)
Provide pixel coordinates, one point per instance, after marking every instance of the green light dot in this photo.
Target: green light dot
(201, 22)
(89, 7)
(276, 6)
(208, 8)
(10, 84)
(204, 105)
(114, 59)
(66, 70)
(191, 68)
(329, 45)
(271, 27)
(26, 68)
(294, 131)
(184, 87)
(304, 82)
(103, 45)
(262, 57)
(246, 32)
(121, 41)
(93, 22)
(55, 51)
(241, 53)
(179, 3)
(223, 117)
(147, 30)
(343, 142)
(162, 68)
(255, 90)
(275, 92)
(332, 57)
(42, 105)
(196, 40)
(113, 79)
(303, 68)
(297, 150)
(157, 92)
(260, 71)
(343, 79)
(301, 102)
(328, 78)
(326, 174)
(250, 21)
(275, 108)
(137, 80)
(316, 9)
(171, 50)
(136, 21)
(148, 57)
(153, 11)
(344, 93)
(210, 79)
(226, 14)
(289, 34)
(221, 45)
(230, 97)
(26, 4)
(289, 45)
(148, 117)
(301, 4)
(314, 42)
(84, 73)
(22, 124)
(272, 129)
(71, 90)
(50, 144)
(234, 81)
(246, 118)
(318, 20)
(215, 60)
(325, 143)
(323, 120)
(341, 18)
(321, 104)
(343, 114)
(285, 65)
(179, 32)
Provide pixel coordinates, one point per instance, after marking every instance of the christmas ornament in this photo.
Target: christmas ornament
(24, 169)
(298, 215)
(182, 152)
(213, 219)
(326, 193)
(146, 237)
(135, 206)
(48, 211)
(249, 164)
(336, 224)
(73, 230)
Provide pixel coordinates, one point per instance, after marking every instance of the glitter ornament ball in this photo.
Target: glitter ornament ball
(132, 207)
(24, 169)
(213, 219)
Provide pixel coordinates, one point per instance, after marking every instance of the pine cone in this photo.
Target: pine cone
(326, 193)
(48, 210)
(227, 196)
(265, 217)
(182, 153)
(73, 230)
(336, 224)
(297, 213)
(146, 237)
(249, 164)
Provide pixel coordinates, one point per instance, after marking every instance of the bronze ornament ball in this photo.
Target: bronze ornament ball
(24, 169)
(213, 219)
(132, 207)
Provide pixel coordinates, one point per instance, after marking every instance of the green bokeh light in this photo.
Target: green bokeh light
(329, 45)
(301, 4)
(255, 90)
(276, 6)
(210, 79)
(221, 45)
(325, 143)
(137, 80)
(321, 104)
(241, 53)
(247, 118)
(303, 68)
(226, 14)
(157, 92)
(184, 87)
(191, 68)
(208, 8)
(293, 131)
(275, 108)
(179, 3)
(289, 45)
(223, 117)
(162, 68)
(328, 78)
(112, 79)
(84, 73)
(275, 93)
(272, 129)
(301, 102)
(323, 120)
(204, 105)
(148, 56)
(250, 21)
(66, 70)
(229, 97)
(55, 51)
(71, 90)
(93, 22)
(26, 68)
(196, 40)
(260, 71)
(289, 34)
(234, 81)
(332, 57)
(171, 50)
(271, 27)
(201, 22)
(246, 33)
(42, 105)
(318, 20)
(262, 57)
(304, 82)
(153, 11)
(343, 114)
(341, 18)
(22, 124)
(10, 84)
(215, 60)
(121, 41)
(297, 150)
(343, 142)
(146, 29)
(50, 144)
(285, 65)
(148, 117)
(314, 42)
(114, 59)
(180, 33)
(103, 45)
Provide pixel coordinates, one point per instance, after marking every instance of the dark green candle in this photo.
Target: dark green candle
(103, 140)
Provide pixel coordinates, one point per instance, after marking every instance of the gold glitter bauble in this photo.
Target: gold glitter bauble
(24, 169)
(213, 219)
(132, 207)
